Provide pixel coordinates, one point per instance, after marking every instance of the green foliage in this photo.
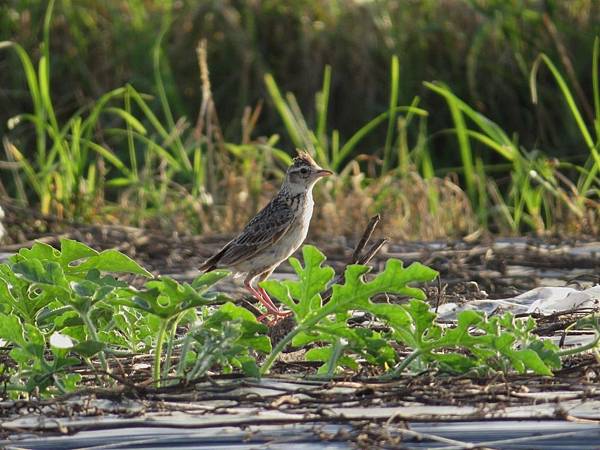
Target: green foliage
(225, 339)
(329, 152)
(124, 147)
(221, 342)
(116, 147)
(328, 323)
(357, 39)
(35, 370)
(477, 342)
(537, 187)
(167, 298)
(47, 290)
(60, 307)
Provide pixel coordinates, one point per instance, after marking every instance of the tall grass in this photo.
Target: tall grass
(128, 157)
(117, 159)
(538, 189)
(538, 197)
(60, 173)
(336, 154)
(488, 47)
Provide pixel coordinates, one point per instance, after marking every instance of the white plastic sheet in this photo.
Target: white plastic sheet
(541, 300)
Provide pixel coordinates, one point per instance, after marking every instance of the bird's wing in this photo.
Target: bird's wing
(212, 262)
(265, 229)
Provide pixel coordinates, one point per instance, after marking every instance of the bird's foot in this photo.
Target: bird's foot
(272, 318)
(273, 314)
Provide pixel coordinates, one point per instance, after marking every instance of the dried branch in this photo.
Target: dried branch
(357, 258)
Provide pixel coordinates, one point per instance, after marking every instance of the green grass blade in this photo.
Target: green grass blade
(464, 146)
(128, 118)
(75, 153)
(322, 107)
(89, 124)
(395, 83)
(44, 69)
(164, 101)
(568, 97)
(161, 152)
(596, 85)
(60, 147)
(284, 111)
(558, 193)
(199, 175)
(130, 144)
(335, 145)
(30, 172)
(109, 156)
(28, 69)
(503, 150)
(355, 139)
(411, 112)
(403, 151)
(486, 125)
(137, 98)
(34, 92)
(308, 138)
(500, 206)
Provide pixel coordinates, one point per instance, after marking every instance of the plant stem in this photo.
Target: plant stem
(181, 364)
(59, 385)
(403, 365)
(170, 345)
(308, 324)
(580, 348)
(336, 353)
(94, 335)
(159, 345)
(279, 348)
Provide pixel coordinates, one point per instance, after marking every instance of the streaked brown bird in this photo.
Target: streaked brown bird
(275, 233)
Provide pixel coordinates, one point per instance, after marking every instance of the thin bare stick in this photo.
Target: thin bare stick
(373, 222)
(372, 251)
(357, 258)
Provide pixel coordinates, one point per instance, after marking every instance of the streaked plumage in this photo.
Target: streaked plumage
(275, 233)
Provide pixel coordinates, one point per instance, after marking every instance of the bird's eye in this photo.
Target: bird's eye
(304, 171)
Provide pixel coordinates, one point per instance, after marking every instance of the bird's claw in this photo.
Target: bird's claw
(273, 317)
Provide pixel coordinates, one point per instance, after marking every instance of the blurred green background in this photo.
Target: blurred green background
(482, 50)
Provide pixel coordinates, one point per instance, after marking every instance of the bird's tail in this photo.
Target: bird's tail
(211, 263)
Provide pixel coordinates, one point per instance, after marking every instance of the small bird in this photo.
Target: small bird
(275, 233)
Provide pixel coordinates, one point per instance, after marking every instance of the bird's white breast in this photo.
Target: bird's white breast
(287, 244)
(296, 235)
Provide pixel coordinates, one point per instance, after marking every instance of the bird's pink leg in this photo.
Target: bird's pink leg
(261, 295)
(266, 301)
(277, 312)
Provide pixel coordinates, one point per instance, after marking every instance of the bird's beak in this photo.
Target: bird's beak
(324, 173)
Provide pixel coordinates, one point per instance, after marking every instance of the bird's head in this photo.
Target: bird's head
(304, 172)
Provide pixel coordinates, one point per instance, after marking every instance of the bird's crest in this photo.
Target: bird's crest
(303, 159)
